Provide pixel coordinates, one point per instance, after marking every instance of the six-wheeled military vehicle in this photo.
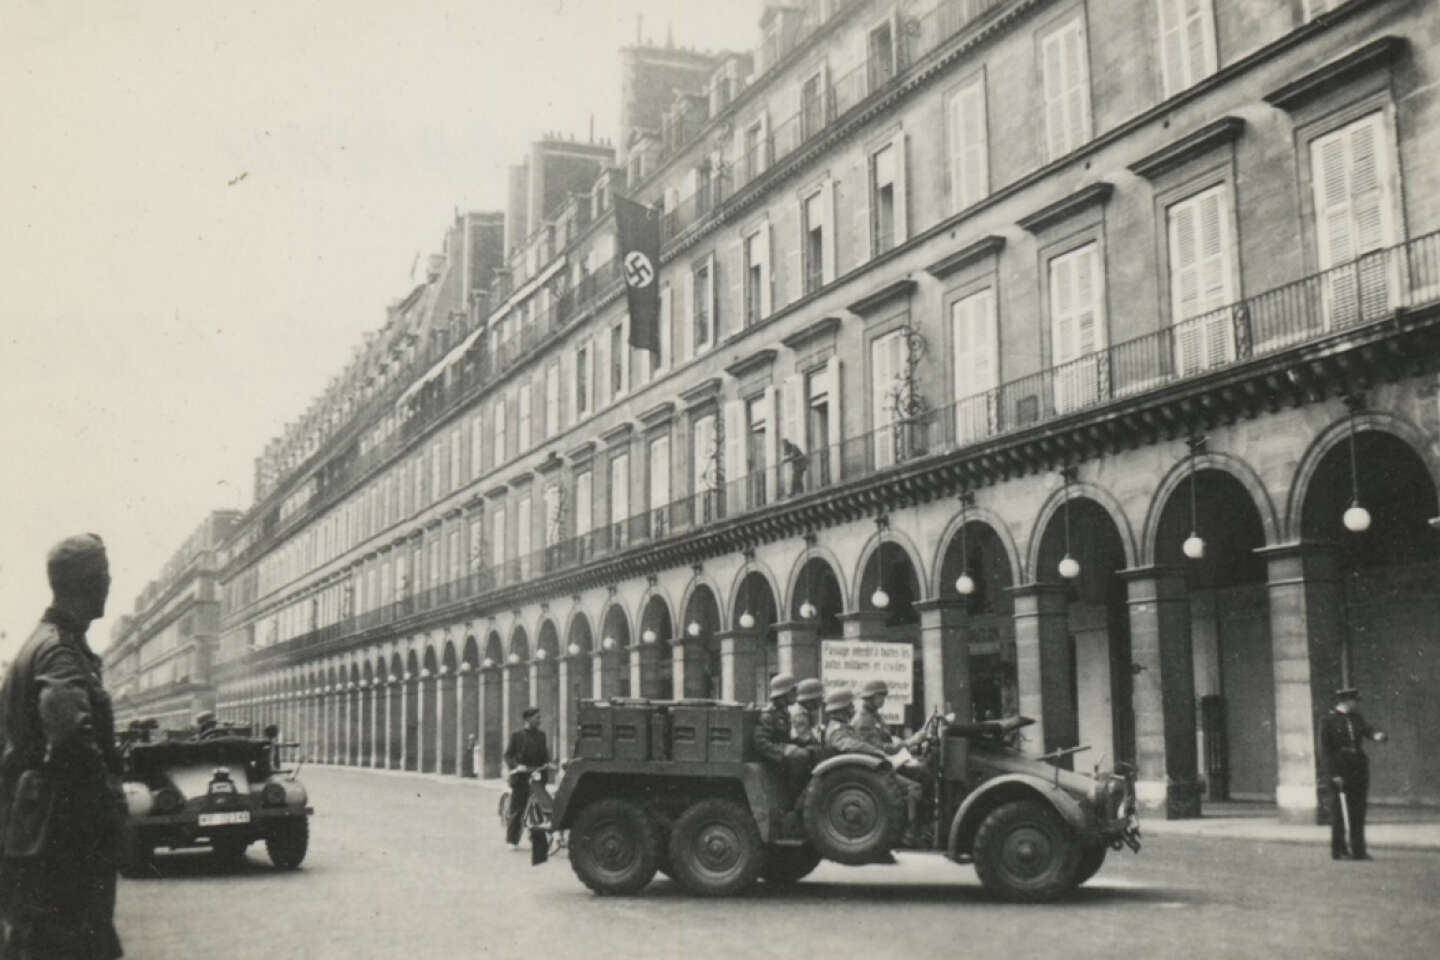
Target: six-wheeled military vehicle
(677, 787)
(222, 788)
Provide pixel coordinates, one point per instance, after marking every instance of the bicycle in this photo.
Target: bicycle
(536, 815)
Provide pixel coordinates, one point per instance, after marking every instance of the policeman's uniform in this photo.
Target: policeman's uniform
(1342, 740)
(527, 748)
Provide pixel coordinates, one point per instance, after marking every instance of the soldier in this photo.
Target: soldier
(840, 736)
(60, 798)
(1343, 733)
(805, 723)
(871, 727)
(773, 740)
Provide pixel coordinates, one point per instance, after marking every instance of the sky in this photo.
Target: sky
(204, 206)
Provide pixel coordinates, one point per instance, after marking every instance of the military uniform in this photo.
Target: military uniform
(774, 744)
(804, 725)
(1342, 741)
(60, 801)
(841, 737)
(870, 726)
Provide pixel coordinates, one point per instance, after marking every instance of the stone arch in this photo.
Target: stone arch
(749, 572)
(872, 544)
(970, 517)
(1178, 473)
(656, 651)
(615, 617)
(494, 648)
(428, 661)
(519, 644)
(547, 638)
(614, 646)
(816, 551)
(704, 608)
(578, 632)
(470, 652)
(1079, 489)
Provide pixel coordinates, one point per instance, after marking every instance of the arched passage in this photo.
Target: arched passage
(614, 653)
(754, 611)
(1076, 641)
(517, 677)
(334, 684)
(580, 648)
(977, 552)
(655, 652)
(546, 668)
(412, 711)
(492, 682)
(1390, 617)
(470, 677)
(889, 587)
(367, 714)
(816, 596)
(354, 694)
(448, 676)
(429, 722)
(701, 647)
(396, 717)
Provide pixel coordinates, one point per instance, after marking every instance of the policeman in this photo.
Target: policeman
(61, 809)
(773, 740)
(1343, 733)
(805, 723)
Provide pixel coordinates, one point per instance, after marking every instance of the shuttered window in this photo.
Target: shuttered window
(1200, 285)
(886, 368)
(1354, 186)
(1076, 326)
(969, 150)
(1067, 89)
(976, 364)
(1187, 42)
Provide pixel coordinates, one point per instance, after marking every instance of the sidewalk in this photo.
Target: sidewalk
(1386, 828)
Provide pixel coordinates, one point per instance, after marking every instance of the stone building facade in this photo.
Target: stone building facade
(1107, 313)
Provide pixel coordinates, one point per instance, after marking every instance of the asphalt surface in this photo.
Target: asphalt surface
(416, 867)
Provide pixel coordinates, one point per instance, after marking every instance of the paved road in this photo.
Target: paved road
(414, 867)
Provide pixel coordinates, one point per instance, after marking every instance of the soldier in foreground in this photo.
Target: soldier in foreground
(60, 800)
(773, 740)
(1343, 733)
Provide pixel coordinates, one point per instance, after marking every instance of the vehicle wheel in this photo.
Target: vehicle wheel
(612, 847)
(854, 814)
(1023, 851)
(230, 853)
(716, 849)
(1091, 859)
(787, 865)
(289, 842)
(137, 857)
(503, 810)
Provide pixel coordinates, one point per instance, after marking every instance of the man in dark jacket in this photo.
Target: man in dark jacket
(1343, 733)
(526, 753)
(60, 800)
(773, 740)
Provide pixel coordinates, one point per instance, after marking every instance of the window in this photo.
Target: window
(885, 198)
(1200, 287)
(583, 494)
(887, 365)
(1354, 184)
(1067, 89)
(702, 188)
(497, 538)
(704, 464)
(437, 563)
(618, 349)
(757, 276)
(812, 109)
(754, 150)
(659, 485)
(969, 148)
(1313, 8)
(1187, 43)
(454, 563)
(817, 422)
(522, 402)
(755, 443)
(583, 398)
(976, 364)
(522, 534)
(619, 497)
(702, 304)
(637, 168)
(500, 419)
(1077, 326)
(455, 458)
(881, 55)
(436, 475)
(477, 444)
(553, 519)
(552, 400)
(812, 242)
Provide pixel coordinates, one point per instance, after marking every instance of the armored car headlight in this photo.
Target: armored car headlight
(273, 795)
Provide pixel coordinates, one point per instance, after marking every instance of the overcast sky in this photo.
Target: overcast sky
(161, 318)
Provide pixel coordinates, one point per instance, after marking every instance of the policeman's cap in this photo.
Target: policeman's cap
(529, 712)
(840, 699)
(781, 684)
(810, 689)
(1347, 693)
(874, 688)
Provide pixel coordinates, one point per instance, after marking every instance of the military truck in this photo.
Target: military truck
(222, 788)
(677, 787)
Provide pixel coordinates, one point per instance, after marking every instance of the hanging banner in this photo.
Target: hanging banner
(849, 663)
(638, 231)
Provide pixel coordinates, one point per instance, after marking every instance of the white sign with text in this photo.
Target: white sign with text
(849, 663)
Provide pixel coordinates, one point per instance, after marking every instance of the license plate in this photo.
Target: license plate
(222, 819)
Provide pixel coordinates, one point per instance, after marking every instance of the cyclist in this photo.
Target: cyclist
(526, 753)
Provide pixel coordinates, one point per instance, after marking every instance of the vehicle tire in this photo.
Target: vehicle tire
(716, 848)
(289, 842)
(612, 847)
(787, 865)
(503, 810)
(1091, 859)
(1023, 851)
(230, 853)
(854, 814)
(137, 856)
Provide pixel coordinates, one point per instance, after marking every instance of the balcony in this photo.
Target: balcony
(1363, 296)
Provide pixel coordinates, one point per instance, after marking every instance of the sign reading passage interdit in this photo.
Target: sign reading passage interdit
(849, 663)
(638, 230)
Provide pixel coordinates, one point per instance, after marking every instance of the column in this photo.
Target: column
(404, 721)
(739, 664)
(505, 706)
(344, 708)
(945, 657)
(608, 676)
(1168, 778)
(442, 680)
(1306, 636)
(1042, 655)
(798, 643)
(544, 680)
(482, 719)
(562, 723)
(864, 624)
(645, 670)
(690, 678)
(461, 757)
(377, 726)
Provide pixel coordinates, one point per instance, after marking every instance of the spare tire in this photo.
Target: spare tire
(854, 814)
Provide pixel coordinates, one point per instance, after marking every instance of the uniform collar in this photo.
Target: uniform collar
(67, 622)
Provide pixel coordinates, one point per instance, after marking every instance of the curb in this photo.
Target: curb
(496, 784)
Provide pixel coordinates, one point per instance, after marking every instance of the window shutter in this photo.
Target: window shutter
(1087, 325)
(1062, 321)
(1200, 39)
(1056, 144)
(734, 297)
(1172, 45)
(882, 409)
(626, 354)
(861, 71)
(762, 162)
(862, 232)
(583, 504)
(794, 228)
(601, 390)
(735, 429)
(828, 239)
(687, 316)
(902, 194)
(567, 390)
(659, 473)
(667, 323)
(702, 442)
(793, 401)
(835, 400)
(620, 488)
(771, 405)
(1077, 85)
(767, 272)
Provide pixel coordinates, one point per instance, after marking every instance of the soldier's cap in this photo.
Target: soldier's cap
(529, 712)
(810, 689)
(781, 684)
(874, 688)
(1347, 693)
(839, 699)
(76, 560)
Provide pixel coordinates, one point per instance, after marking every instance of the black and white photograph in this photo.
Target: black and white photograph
(634, 479)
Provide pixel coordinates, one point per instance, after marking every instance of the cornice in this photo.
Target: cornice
(749, 364)
(522, 479)
(497, 491)
(1381, 52)
(618, 434)
(984, 247)
(1186, 148)
(582, 452)
(703, 391)
(1067, 206)
(824, 327)
(893, 290)
(658, 414)
(550, 464)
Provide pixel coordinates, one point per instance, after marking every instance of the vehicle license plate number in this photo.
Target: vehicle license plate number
(221, 819)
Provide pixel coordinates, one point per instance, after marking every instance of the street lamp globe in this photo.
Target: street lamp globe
(1194, 546)
(573, 649)
(1069, 567)
(487, 664)
(807, 610)
(747, 620)
(514, 658)
(542, 654)
(1357, 518)
(694, 628)
(964, 585)
(880, 599)
(648, 636)
(609, 643)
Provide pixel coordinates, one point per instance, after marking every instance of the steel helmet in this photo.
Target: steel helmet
(810, 689)
(839, 699)
(874, 688)
(781, 684)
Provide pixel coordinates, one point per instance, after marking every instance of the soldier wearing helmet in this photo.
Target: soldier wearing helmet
(805, 724)
(773, 740)
(871, 727)
(840, 736)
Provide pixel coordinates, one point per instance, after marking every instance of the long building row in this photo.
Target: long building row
(1051, 341)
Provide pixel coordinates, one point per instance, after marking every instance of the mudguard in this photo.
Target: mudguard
(866, 760)
(1069, 808)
